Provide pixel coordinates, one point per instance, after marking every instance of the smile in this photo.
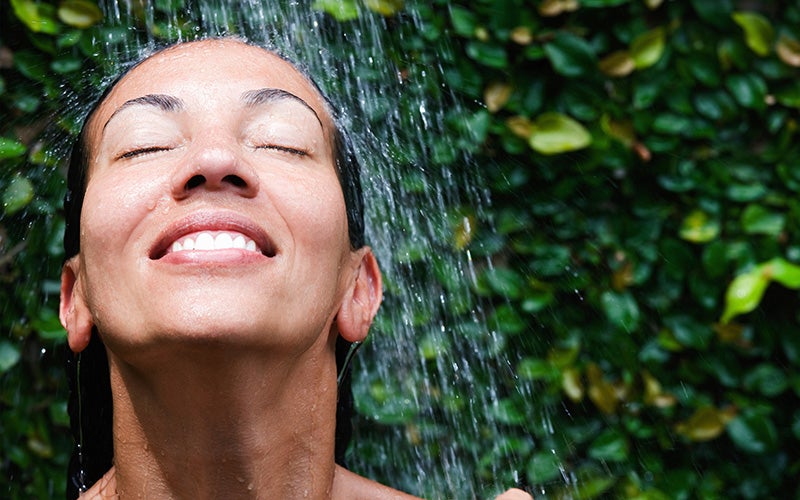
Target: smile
(213, 231)
(214, 240)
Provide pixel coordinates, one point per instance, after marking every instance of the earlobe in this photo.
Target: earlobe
(73, 311)
(363, 299)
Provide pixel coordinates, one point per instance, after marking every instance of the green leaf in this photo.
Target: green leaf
(504, 281)
(571, 55)
(537, 369)
(611, 445)
(621, 310)
(341, 10)
(17, 195)
(543, 467)
(463, 20)
(386, 8)
(11, 148)
(79, 13)
(790, 95)
(753, 433)
(699, 227)
(555, 133)
(748, 89)
(785, 273)
(488, 54)
(508, 411)
(688, 331)
(31, 64)
(9, 355)
(744, 293)
(39, 17)
(66, 65)
(767, 379)
(758, 32)
(647, 48)
(758, 220)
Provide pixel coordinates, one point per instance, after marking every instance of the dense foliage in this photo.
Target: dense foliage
(641, 249)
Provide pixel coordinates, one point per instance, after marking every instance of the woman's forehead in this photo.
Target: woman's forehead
(209, 70)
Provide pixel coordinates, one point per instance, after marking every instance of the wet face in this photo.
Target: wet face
(213, 209)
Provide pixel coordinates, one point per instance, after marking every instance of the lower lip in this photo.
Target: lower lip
(227, 257)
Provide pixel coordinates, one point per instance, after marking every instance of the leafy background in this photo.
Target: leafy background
(639, 259)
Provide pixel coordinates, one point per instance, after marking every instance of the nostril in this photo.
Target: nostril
(197, 180)
(235, 180)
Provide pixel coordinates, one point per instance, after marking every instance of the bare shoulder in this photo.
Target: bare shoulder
(350, 486)
(105, 488)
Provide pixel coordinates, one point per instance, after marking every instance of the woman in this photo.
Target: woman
(219, 263)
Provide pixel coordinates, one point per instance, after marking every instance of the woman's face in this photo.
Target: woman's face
(213, 208)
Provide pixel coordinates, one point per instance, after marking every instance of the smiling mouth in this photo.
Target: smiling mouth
(211, 241)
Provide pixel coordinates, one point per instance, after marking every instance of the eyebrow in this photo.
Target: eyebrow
(162, 101)
(253, 98)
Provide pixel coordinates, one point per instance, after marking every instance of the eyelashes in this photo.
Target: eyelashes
(284, 149)
(137, 152)
(141, 152)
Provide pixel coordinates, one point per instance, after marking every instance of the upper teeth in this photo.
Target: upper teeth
(208, 240)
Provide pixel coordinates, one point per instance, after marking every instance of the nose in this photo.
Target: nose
(214, 168)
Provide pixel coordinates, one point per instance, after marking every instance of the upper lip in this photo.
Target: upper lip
(212, 221)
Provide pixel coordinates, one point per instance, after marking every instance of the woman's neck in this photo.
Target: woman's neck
(207, 425)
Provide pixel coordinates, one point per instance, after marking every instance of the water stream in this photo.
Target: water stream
(425, 382)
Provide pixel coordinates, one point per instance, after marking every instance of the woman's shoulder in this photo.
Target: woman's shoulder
(105, 488)
(350, 486)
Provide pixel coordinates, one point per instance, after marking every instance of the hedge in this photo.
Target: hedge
(587, 212)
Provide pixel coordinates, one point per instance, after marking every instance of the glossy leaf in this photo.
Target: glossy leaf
(788, 50)
(705, 424)
(601, 392)
(611, 445)
(647, 48)
(39, 17)
(464, 21)
(386, 8)
(9, 355)
(543, 467)
(555, 133)
(572, 385)
(344, 10)
(744, 293)
(17, 195)
(11, 148)
(753, 433)
(758, 31)
(699, 227)
(488, 54)
(570, 55)
(748, 89)
(79, 13)
(496, 96)
(758, 220)
(621, 310)
(618, 64)
(785, 273)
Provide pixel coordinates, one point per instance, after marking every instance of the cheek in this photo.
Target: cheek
(320, 216)
(111, 212)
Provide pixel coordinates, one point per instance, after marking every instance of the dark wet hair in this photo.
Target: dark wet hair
(90, 403)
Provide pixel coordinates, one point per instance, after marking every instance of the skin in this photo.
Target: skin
(222, 362)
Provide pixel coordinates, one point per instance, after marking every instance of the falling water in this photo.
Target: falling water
(425, 383)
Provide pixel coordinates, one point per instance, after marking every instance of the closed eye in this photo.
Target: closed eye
(284, 149)
(142, 151)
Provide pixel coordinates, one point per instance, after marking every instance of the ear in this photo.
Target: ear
(73, 311)
(362, 299)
